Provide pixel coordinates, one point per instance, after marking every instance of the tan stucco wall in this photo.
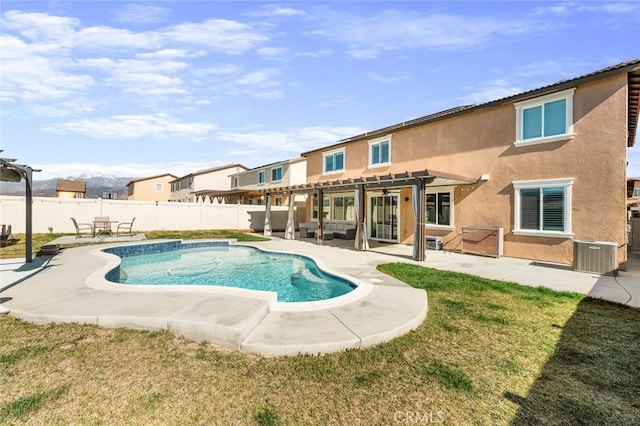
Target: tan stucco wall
(482, 142)
(145, 190)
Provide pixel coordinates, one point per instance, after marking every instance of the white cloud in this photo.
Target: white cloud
(26, 74)
(293, 140)
(65, 109)
(218, 35)
(262, 78)
(132, 170)
(275, 10)
(490, 91)
(39, 26)
(171, 54)
(133, 127)
(322, 53)
(569, 8)
(368, 36)
(388, 79)
(273, 52)
(142, 14)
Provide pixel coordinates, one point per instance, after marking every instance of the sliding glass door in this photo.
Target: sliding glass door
(384, 217)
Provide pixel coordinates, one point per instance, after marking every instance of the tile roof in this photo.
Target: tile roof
(69, 185)
(631, 66)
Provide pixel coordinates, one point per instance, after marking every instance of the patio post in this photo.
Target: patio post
(28, 177)
(361, 233)
(319, 238)
(267, 217)
(290, 232)
(419, 210)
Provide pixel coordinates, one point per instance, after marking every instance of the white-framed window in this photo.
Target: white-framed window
(380, 152)
(234, 182)
(440, 207)
(261, 178)
(545, 119)
(343, 207)
(158, 187)
(543, 208)
(333, 161)
(326, 208)
(276, 174)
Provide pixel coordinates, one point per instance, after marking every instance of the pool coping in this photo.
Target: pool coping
(60, 293)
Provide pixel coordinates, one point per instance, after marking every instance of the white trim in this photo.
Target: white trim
(539, 101)
(379, 141)
(435, 190)
(551, 234)
(567, 184)
(332, 152)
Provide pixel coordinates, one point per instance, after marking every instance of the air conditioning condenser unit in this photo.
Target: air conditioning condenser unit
(435, 243)
(598, 257)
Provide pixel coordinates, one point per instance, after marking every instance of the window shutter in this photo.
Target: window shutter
(530, 209)
(553, 209)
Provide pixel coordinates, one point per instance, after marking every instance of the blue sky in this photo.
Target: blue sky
(135, 89)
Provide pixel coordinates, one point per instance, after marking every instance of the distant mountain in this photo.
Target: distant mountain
(97, 184)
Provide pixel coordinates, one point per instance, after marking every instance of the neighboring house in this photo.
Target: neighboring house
(196, 186)
(153, 188)
(547, 166)
(246, 185)
(633, 196)
(68, 188)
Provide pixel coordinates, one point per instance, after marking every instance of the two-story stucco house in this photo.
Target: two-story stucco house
(248, 185)
(544, 169)
(152, 188)
(192, 188)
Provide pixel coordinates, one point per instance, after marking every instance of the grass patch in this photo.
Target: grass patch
(267, 417)
(449, 376)
(488, 353)
(26, 405)
(38, 240)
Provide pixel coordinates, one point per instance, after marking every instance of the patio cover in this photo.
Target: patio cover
(419, 180)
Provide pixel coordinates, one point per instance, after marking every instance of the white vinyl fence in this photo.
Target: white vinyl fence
(57, 213)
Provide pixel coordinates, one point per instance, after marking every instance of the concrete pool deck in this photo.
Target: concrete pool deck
(54, 289)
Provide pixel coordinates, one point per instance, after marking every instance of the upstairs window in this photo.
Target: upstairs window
(276, 174)
(234, 182)
(158, 187)
(261, 177)
(380, 152)
(545, 119)
(543, 208)
(333, 162)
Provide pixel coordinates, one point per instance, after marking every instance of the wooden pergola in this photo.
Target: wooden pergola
(418, 180)
(11, 172)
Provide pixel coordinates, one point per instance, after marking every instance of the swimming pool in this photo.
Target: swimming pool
(293, 277)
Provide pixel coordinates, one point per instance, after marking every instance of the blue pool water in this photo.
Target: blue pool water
(295, 278)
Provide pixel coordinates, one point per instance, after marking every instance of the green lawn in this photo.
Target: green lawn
(38, 240)
(488, 353)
